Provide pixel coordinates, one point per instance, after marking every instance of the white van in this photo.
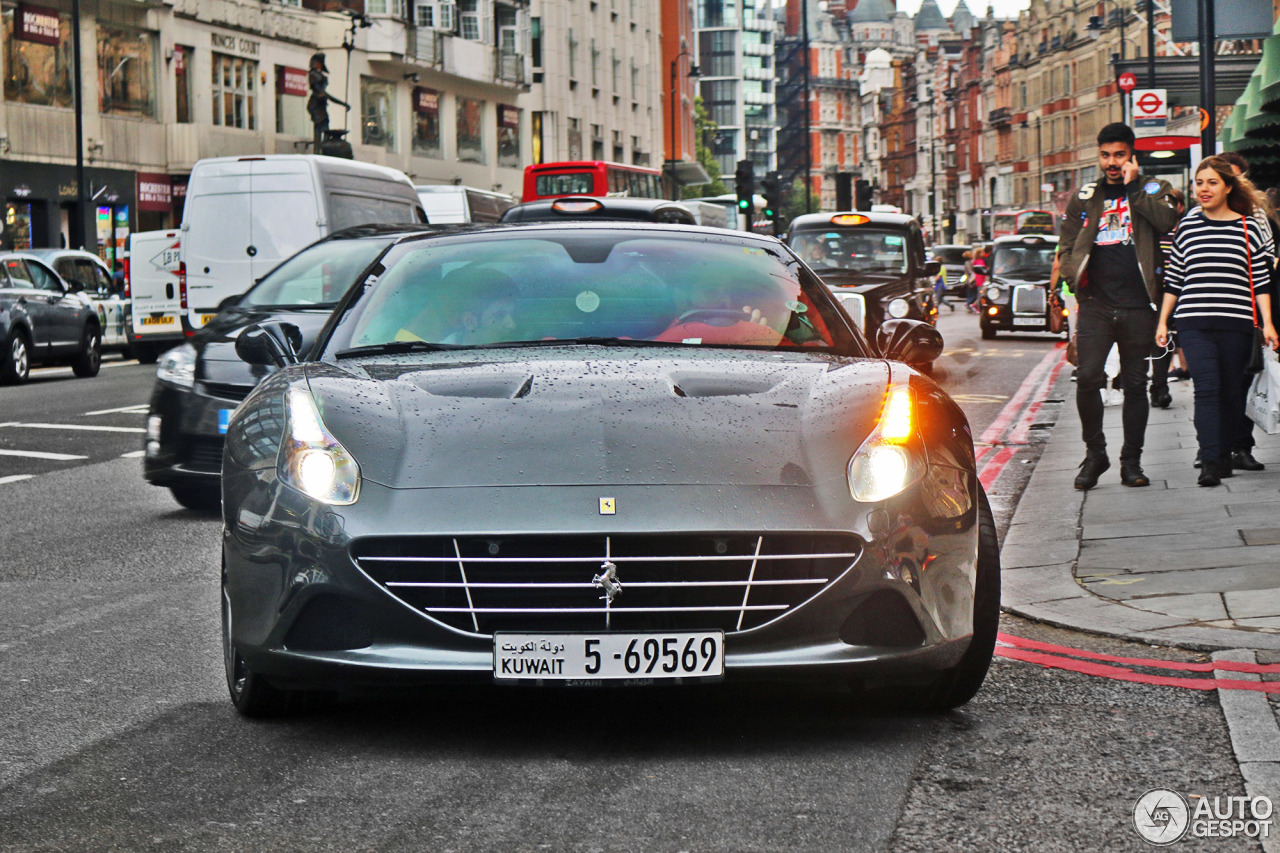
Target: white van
(244, 215)
(153, 279)
(458, 205)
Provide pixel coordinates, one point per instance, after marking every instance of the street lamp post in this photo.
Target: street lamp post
(675, 116)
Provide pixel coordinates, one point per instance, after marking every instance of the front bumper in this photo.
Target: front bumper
(188, 447)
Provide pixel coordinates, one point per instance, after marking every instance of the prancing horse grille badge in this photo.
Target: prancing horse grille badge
(608, 581)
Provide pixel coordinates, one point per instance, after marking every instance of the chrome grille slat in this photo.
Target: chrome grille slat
(1028, 299)
(480, 584)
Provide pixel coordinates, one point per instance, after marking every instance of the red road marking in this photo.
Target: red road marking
(997, 428)
(1020, 649)
(1013, 425)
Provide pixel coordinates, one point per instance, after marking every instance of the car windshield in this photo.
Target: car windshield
(597, 286)
(860, 249)
(317, 275)
(1029, 263)
(949, 254)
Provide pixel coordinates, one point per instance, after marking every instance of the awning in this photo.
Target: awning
(687, 172)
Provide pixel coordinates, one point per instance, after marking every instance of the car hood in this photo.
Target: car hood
(215, 343)
(869, 283)
(566, 418)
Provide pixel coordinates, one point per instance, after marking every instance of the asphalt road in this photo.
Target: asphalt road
(115, 732)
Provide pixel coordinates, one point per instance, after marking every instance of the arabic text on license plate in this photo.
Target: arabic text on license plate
(157, 321)
(1028, 321)
(564, 657)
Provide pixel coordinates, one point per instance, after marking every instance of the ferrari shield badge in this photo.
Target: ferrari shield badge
(608, 506)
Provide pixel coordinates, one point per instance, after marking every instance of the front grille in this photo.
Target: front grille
(1029, 299)
(227, 391)
(728, 582)
(204, 453)
(856, 305)
(953, 276)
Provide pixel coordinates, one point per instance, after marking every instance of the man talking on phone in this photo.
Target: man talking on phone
(1110, 244)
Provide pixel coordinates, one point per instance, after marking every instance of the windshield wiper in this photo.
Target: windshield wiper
(395, 348)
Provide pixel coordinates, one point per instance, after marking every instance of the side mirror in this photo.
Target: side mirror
(74, 286)
(909, 341)
(932, 268)
(270, 343)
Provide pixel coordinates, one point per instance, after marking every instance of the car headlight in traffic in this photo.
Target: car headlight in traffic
(993, 293)
(887, 462)
(899, 308)
(312, 460)
(178, 366)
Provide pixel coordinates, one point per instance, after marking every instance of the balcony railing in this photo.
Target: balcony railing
(999, 116)
(509, 68)
(424, 45)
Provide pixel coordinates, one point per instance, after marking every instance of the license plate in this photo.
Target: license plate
(1028, 321)
(206, 318)
(158, 321)
(612, 657)
(224, 420)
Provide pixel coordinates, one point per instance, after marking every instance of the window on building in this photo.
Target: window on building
(470, 133)
(38, 72)
(469, 25)
(235, 91)
(535, 42)
(573, 55)
(291, 102)
(508, 136)
(378, 113)
(426, 123)
(182, 97)
(507, 34)
(395, 8)
(595, 64)
(126, 71)
(575, 139)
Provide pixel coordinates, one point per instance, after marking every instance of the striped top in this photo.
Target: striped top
(1207, 271)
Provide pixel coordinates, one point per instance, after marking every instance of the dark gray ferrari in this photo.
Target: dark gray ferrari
(600, 454)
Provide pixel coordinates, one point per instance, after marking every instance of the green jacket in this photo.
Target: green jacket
(1154, 213)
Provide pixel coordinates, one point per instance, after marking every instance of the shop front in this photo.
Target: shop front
(40, 206)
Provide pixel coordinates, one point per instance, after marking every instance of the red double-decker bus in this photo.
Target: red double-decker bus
(590, 177)
(1007, 222)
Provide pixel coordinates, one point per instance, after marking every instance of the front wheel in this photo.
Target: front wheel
(15, 361)
(89, 361)
(988, 333)
(251, 694)
(198, 498)
(959, 684)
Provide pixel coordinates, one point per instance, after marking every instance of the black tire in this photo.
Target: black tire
(89, 361)
(251, 694)
(988, 333)
(15, 360)
(146, 353)
(200, 498)
(961, 683)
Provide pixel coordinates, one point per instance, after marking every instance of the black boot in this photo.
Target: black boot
(1242, 460)
(1091, 469)
(1131, 473)
(1209, 474)
(1161, 398)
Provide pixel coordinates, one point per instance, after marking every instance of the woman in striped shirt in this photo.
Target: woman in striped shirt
(1216, 251)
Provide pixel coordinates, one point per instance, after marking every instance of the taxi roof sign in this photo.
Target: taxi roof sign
(850, 219)
(578, 205)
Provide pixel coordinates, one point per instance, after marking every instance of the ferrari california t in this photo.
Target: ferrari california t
(600, 454)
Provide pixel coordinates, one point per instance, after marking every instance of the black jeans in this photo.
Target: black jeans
(1098, 327)
(1216, 359)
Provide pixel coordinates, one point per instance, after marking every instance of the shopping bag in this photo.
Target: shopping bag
(1263, 402)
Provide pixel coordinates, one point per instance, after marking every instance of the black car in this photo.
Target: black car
(200, 382)
(875, 263)
(44, 320)
(1018, 296)
(593, 208)
(599, 454)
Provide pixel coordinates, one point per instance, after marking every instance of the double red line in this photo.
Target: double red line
(1012, 427)
(1125, 669)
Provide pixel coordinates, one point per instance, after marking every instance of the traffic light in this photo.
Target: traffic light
(862, 190)
(746, 185)
(772, 187)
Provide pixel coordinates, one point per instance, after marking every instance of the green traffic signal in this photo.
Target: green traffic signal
(743, 204)
(768, 212)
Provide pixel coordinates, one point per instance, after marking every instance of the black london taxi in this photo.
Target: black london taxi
(874, 263)
(1019, 295)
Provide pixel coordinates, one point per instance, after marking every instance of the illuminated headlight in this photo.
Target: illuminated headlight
(888, 461)
(899, 308)
(312, 460)
(178, 366)
(993, 293)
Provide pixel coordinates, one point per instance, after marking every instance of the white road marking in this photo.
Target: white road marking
(132, 410)
(36, 454)
(16, 478)
(58, 371)
(133, 454)
(80, 427)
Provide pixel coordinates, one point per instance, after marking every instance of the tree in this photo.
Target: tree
(703, 129)
(795, 201)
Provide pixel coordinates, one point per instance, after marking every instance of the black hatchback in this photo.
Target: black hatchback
(200, 383)
(874, 263)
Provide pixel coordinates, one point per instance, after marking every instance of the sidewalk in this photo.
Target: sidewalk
(1171, 564)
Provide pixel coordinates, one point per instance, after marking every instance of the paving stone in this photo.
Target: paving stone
(1097, 615)
(1198, 606)
(1037, 584)
(1125, 585)
(1241, 485)
(1272, 622)
(1036, 533)
(1160, 526)
(1202, 638)
(1103, 554)
(1220, 536)
(1058, 552)
(1252, 604)
(1261, 535)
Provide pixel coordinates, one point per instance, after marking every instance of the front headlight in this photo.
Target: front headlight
(994, 293)
(178, 366)
(312, 460)
(889, 460)
(899, 308)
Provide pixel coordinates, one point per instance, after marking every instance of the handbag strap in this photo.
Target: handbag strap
(1248, 264)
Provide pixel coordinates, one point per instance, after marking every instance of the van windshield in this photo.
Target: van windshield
(317, 276)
